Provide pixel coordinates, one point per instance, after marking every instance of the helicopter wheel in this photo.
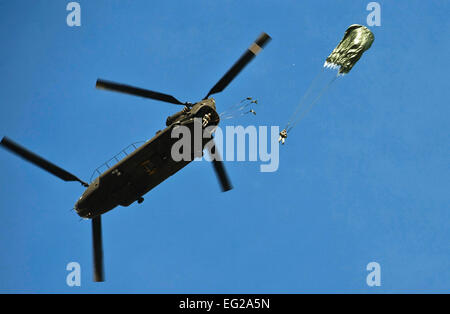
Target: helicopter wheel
(140, 200)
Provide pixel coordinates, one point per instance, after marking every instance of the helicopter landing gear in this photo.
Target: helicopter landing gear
(140, 200)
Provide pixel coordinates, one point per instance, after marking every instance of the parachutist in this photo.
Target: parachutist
(283, 136)
(252, 111)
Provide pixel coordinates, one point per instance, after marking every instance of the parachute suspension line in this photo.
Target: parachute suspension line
(304, 97)
(310, 105)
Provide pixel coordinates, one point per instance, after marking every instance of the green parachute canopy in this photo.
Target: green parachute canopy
(357, 39)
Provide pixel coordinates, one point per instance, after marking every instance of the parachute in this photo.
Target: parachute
(357, 39)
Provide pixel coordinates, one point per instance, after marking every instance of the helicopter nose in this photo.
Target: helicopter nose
(80, 206)
(77, 206)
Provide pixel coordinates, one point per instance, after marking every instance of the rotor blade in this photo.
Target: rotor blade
(39, 161)
(219, 168)
(116, 87)
(97, 242)
(251, 52)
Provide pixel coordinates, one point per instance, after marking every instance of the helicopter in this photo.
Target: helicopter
(150, 164)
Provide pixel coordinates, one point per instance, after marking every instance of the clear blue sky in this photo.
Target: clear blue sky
(365, 177)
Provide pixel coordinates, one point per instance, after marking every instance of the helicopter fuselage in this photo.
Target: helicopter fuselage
(145, 168)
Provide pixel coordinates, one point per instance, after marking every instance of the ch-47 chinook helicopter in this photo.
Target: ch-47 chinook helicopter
(150, 164)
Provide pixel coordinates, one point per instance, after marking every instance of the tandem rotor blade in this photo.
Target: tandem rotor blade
(251, 52)
(222, 175)
(39, 161)
(97, 244)
(136, 91)
(219, 168)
